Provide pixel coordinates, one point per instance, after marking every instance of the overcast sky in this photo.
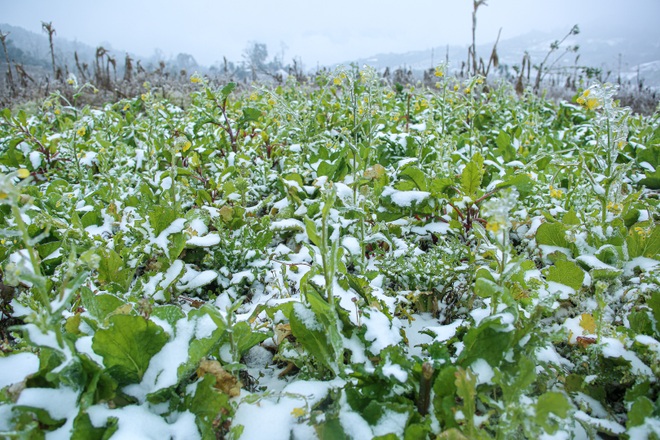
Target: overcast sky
(322, 32)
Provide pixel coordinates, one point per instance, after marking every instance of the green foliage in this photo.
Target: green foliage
(405, 248)
(128, 345)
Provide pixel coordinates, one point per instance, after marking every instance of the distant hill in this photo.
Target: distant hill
(627, 52)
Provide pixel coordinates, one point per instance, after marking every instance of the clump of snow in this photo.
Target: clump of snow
(395, 371)
(613, 348)
(204, 241)
(380, 331)
(405, 199)
(17, 367)
(483, 371)
(137, 421)
(307, 317)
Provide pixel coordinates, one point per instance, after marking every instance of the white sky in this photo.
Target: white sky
(322, 32)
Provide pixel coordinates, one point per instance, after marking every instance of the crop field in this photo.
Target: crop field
(337, 259)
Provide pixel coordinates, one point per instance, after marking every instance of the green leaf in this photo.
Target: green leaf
(201, 347)
(566, 273)
(310, 228)
(245, 338)
(414, 175)
(101, 305)
(640, 410)
(489, 341)
(317, 330)
(227, 89)
(444, 396)
(551, 403)
(522, 182)
(472, 176)
(208, 404)
(250, 114)
(160, 217)
(112, 271)
(128, 345)
(552, 234)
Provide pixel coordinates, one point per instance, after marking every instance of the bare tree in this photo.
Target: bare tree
(10, 78)
(472, 52)
(48, 27)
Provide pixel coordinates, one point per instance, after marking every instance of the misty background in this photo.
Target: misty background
(619, 37)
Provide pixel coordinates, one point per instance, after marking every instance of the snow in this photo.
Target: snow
(163, 366)
(445, 332)
(138, 422)
(642, 263)
(307, 317)
(204, 241)
(15, 368)
(593, 262)
(35, 159)
(194, 279)
(176, 227)
(483, 371)
(271, 417)
(405, 199)
(613, 348)
(380, 331)
(60, 403)
(352, 245)
(608, 425)
(395, 371)
(289, 224)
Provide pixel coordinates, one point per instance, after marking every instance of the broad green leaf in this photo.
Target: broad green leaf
(566, 273)
(522, 182)
(416, 176)
(160, 217)
(227, 89)
(552, 234)
(489, 341)
(472, 176)
(551, 402)
(112, 270)
(640, 410)
(128, 345)
(251, 114)
(101, 305)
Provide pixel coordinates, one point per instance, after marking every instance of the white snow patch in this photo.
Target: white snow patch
(17, 367)
(138, 422)
(380, 331)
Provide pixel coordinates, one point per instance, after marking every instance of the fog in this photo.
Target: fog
(317, 32)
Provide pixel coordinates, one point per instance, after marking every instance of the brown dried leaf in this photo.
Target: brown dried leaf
(225, 382)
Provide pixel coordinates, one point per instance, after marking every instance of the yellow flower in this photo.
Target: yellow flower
(556, 193)
(23, 173)
(186, 146)
(493, 226)
(616, 208)
(81, 131)
(70, 81)
(298, 412)
(195, 79)
(144, 96)
(438, 72)
(336, 81)
(126, 107)
(3, 195)
(467, 90)
(455, 87)
(57, 111)
(590, 103)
